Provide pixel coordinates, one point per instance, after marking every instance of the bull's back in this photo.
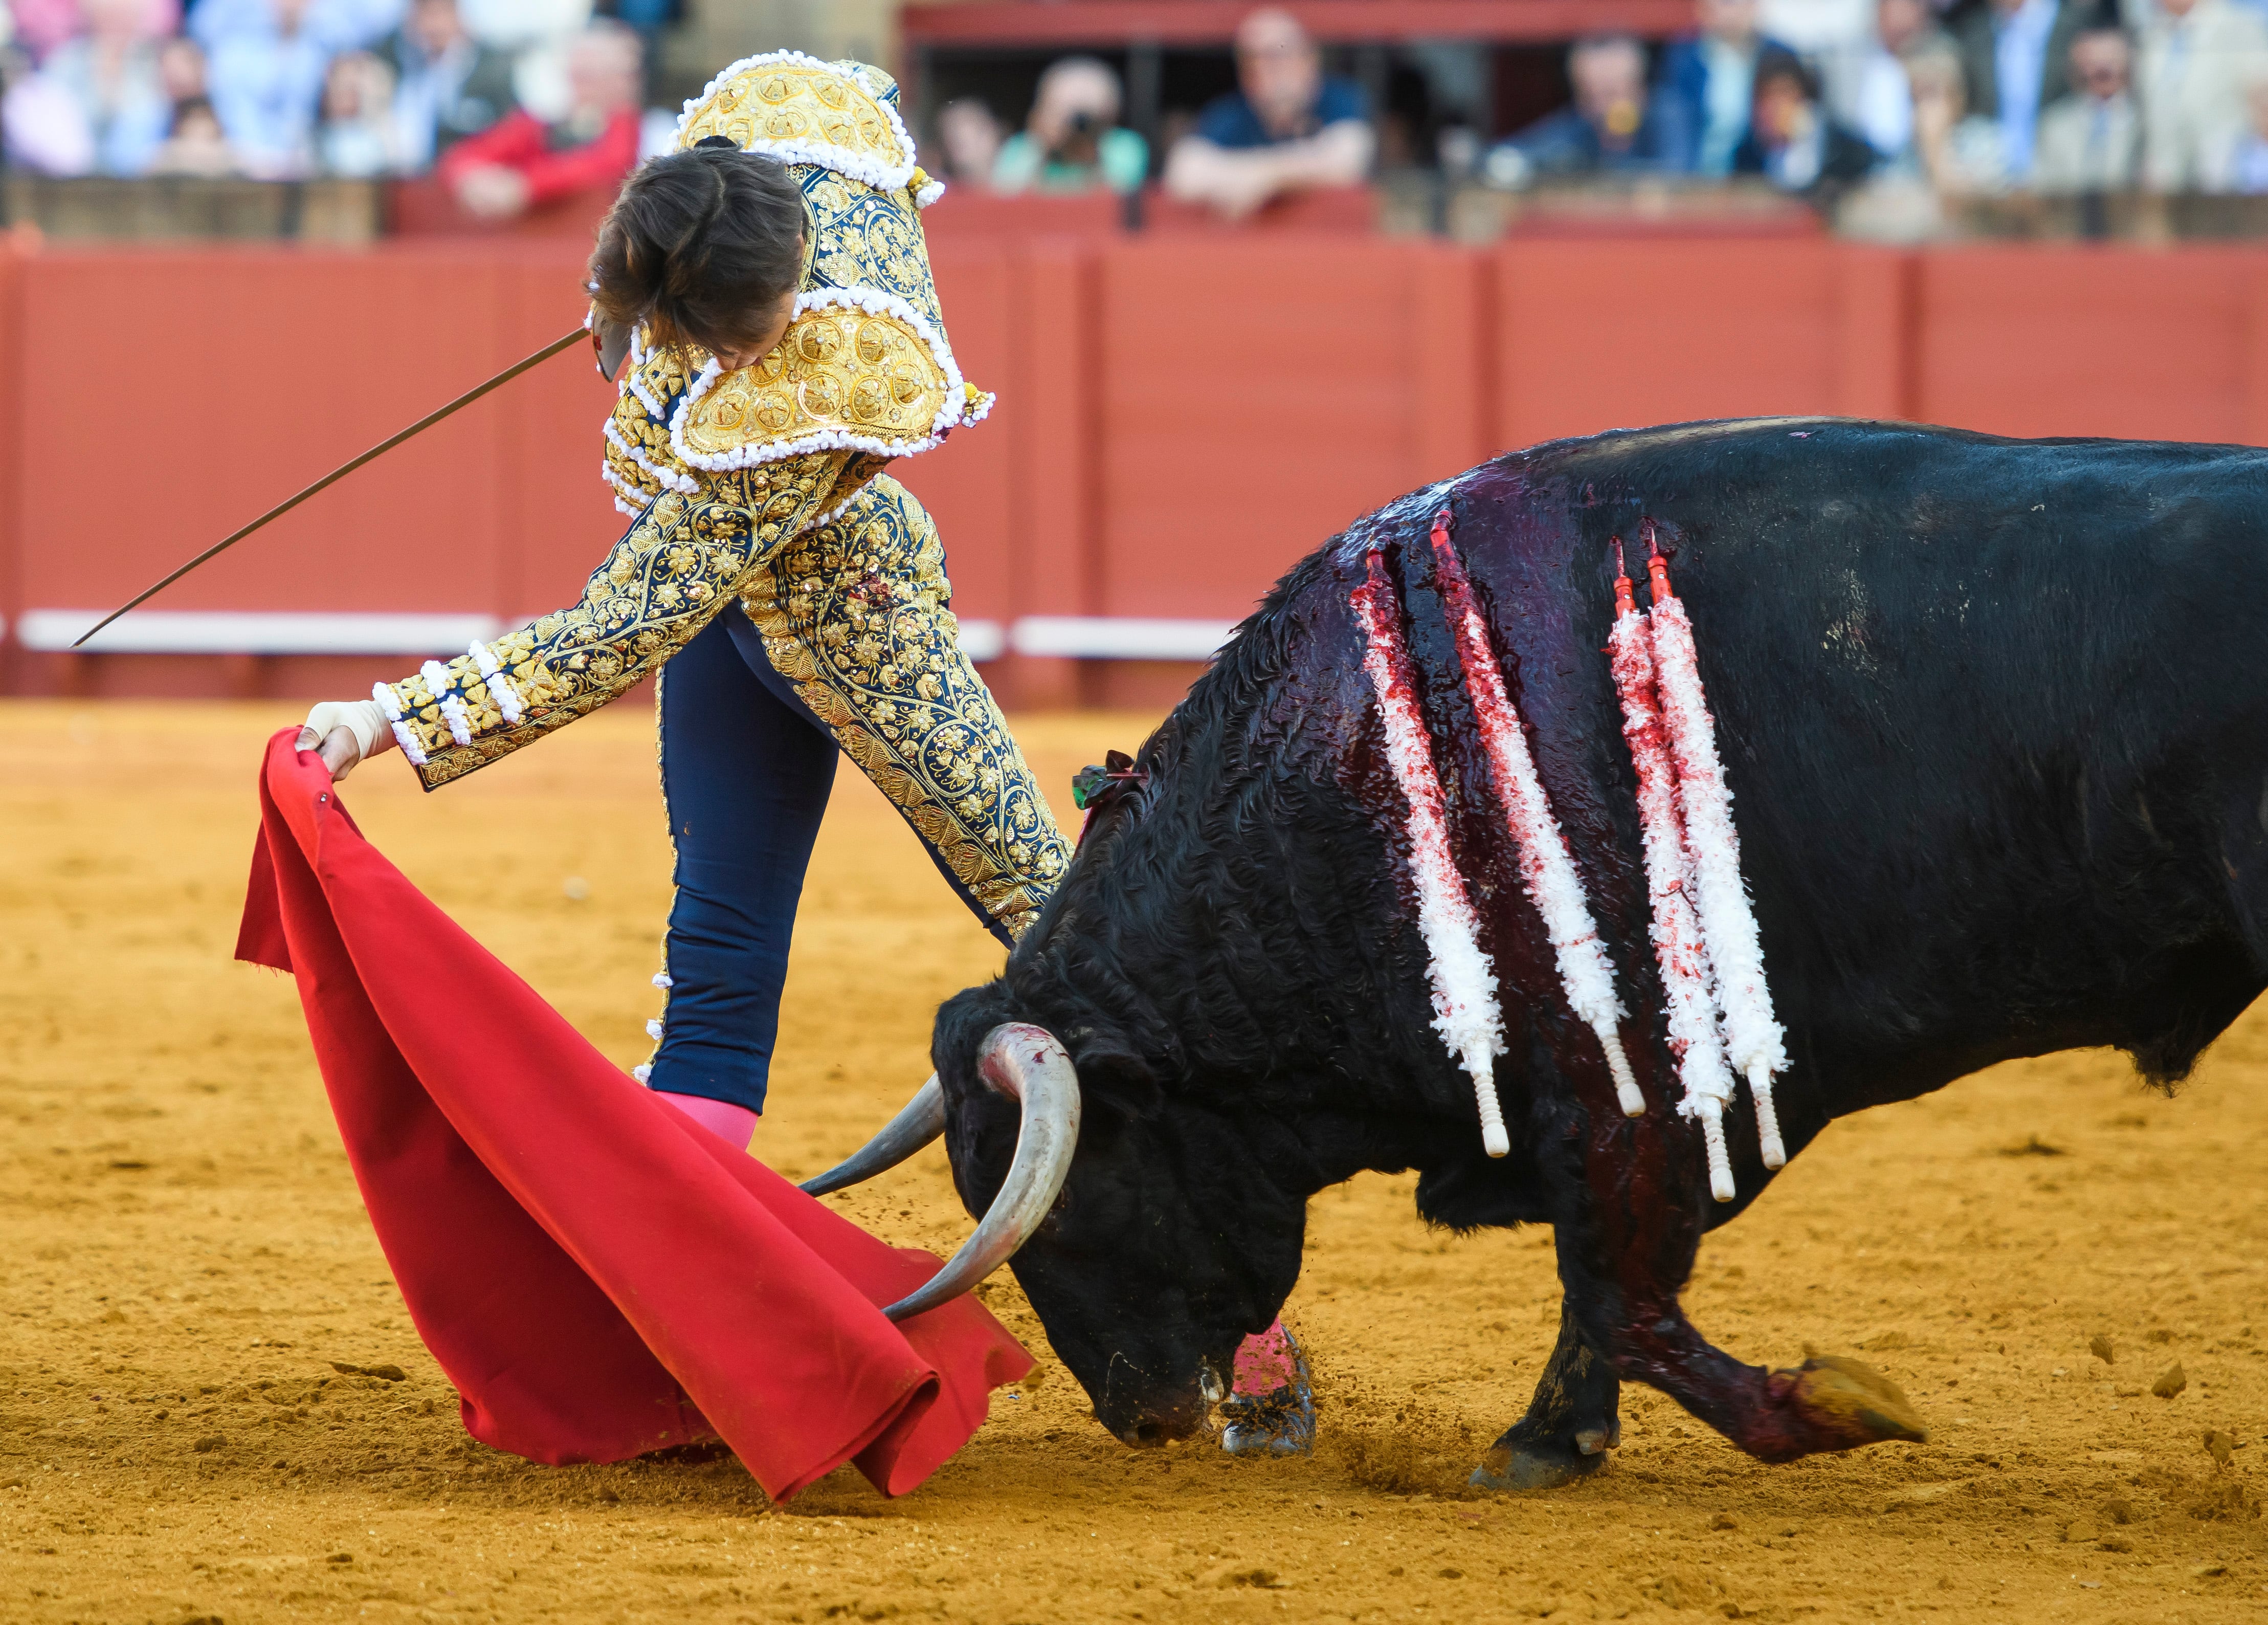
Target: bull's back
(1966, 688)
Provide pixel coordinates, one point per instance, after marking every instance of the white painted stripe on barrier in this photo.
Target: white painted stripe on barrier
(983, 640)
(249, 632)
(1118, 638)
(229, 631)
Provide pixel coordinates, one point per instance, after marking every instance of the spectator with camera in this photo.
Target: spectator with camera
(1073, 142)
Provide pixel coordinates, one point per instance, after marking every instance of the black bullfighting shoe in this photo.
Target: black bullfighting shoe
(1281, 1420)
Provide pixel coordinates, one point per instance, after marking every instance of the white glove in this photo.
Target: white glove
(347, 732)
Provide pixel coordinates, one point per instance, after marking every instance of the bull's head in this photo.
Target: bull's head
(1144, 1238)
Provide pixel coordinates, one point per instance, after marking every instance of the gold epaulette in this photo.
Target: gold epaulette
(864, 365)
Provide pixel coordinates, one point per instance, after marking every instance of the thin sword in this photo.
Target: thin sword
(339, 473)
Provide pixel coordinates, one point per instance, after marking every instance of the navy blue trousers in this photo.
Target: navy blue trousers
(746, 771)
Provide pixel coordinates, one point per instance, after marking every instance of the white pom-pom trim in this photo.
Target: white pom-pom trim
(653, 1032)
(643, 1072)
(629, 501)
(499, 685)
(668, 479)
(1547, 867)
(460, 719)
(825, 154)
(406, 737)
(929, 193)
(383, 693)
(437, 680)
(661, 979)
(1464, 981)
(952, 411)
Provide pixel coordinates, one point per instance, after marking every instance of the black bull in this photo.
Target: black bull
(1995, 718)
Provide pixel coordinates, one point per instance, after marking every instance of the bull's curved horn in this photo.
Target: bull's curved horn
(922, 1121)
(1028, 1064)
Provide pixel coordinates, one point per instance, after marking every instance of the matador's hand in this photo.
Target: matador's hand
(346, 732)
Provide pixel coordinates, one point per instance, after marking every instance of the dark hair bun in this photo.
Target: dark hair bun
(700, 247)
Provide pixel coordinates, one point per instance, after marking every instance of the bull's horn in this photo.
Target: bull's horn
(922, 1121)
(1028, 1064)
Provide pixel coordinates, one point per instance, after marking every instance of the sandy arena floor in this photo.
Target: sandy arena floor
(186, 1259)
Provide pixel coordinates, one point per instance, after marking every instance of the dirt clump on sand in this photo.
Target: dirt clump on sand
(213, 1407)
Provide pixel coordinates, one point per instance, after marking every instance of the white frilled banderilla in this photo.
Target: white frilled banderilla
(1464, 981)
(1703, 931)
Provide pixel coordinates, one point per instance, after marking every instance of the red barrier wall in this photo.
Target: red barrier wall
(1181, 416)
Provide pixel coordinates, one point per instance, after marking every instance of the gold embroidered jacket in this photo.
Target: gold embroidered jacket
(764, 484)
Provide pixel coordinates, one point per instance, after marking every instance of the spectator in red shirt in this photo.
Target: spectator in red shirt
(520, 163)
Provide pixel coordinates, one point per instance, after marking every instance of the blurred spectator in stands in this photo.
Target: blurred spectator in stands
(181, 71)
(355, 137)
(1609, 130)
(2197, 58)
(2248, 170)
(1792, 142)
(1073, 142)
(520, 163)
(195, 146)
(1818, 29)
(341, 24)
(2091, 141)
(40, 26)
(97, 104)
(1961, 153)
(1708, 84)
(267, 78)
(970, 135)
(1289, 128)
(449, 85)
(2016, 59)
(538, 35)
(1875, 96)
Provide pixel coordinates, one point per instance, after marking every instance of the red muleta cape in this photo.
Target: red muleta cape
(598, 1275)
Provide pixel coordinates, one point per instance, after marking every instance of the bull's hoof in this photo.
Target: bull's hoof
(1534, 1467)
(1850, 1402)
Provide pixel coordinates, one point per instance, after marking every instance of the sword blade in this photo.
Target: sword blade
(338, 474)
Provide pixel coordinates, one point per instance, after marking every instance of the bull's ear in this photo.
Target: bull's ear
(1119, 1082)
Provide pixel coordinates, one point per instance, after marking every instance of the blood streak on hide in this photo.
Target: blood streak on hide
(1753, 1042)
(1678, 947)
(1464, 981)
(1547, 867)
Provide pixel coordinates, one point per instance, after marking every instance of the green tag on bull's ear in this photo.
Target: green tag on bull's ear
(1088, 784)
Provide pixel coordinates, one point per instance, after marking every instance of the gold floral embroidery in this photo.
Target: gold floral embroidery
(679, 564)
(856, 614)
(804, 102)
(836, 370)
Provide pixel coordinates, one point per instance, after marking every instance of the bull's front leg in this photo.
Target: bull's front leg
(1629, 1199)
(1571, 1424)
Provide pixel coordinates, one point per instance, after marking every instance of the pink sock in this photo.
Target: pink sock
(1266, 1363)
(720, 1118)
